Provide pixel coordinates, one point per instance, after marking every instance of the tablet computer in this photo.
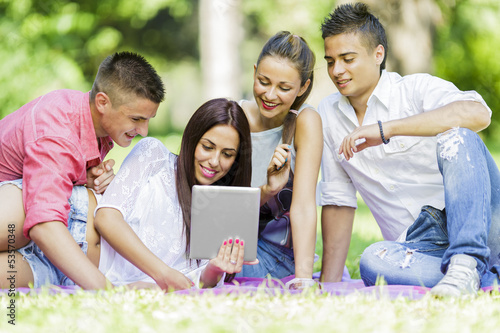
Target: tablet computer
(222, 212)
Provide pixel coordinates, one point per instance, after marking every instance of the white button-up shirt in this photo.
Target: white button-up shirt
(397, 179)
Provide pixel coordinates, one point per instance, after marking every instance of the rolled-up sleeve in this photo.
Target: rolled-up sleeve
(434, 92)
(52, 166)
(335, 186)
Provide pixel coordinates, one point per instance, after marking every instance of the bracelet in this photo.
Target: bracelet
(382, 133)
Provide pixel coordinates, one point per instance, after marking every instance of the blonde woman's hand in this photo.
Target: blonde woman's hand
(278, 170)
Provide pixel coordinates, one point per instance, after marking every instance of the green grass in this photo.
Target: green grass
(153, 311)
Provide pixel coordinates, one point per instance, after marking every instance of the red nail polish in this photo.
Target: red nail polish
(237, 241)
(241, 243)
(225, 243)
(230, 241)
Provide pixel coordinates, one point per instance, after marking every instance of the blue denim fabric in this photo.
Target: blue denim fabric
(277, 261)
(44, 272)
(469, 225)
(416, 261)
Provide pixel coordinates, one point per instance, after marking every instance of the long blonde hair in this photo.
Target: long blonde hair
(285, 45)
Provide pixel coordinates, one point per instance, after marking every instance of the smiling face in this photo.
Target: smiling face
(353, 68)
(215, 153)
(276, 86)
(122, 123)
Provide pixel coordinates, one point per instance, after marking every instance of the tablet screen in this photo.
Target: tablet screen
(222, 212)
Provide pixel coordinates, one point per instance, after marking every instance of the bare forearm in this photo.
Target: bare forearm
(110, 224)
(466, 114)
(336, 225)
(113, 228)
(304, 226)
(59, 246)
(303, 212)
(210, 277)
(266, 194)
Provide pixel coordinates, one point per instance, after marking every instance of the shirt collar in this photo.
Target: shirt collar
(88, 137)
(346, 108)
(382, 91)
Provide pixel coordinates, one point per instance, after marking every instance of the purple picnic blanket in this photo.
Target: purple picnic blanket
(277, 286)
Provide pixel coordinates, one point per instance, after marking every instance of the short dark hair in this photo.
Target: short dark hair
(356, 18)
(219, 111)
(125, 72)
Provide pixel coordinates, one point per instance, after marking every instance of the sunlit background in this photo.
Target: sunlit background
(207, 48)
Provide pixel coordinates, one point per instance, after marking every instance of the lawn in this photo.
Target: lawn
(151, 311)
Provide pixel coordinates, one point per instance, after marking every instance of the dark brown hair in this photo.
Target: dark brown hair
(214, 112)
(125, 73)
(349, 18)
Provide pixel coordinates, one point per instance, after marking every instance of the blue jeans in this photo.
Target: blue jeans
(470, 223)
(277, 261)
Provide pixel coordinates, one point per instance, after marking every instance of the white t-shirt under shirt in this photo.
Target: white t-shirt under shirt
(144, 192)
(397, 179)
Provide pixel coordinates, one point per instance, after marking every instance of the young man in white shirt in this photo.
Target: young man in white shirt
(409, 146)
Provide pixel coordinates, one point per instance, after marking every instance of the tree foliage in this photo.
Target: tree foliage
(54, 44)
(466, 51)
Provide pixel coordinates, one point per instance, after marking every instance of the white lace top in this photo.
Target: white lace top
(144, 192)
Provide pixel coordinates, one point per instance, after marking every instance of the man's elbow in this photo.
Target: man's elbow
(484, 120)
(481, 117)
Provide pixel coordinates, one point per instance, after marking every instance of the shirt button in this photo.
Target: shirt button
(402, 145)
(391, 187)
(377, 171)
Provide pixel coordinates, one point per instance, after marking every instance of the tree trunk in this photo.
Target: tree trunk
(221, 31)
(410, 26)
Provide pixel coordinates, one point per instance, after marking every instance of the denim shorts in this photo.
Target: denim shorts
(44, 272)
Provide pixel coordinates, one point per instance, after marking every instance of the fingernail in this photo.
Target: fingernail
(289, 147)
(96, 182)
(237, 241)
(286, 159)
(225, 243)
(231, 241)
(241, 243)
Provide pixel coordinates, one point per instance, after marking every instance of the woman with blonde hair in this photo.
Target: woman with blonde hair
(279, 120)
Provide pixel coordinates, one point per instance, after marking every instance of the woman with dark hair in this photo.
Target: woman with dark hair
(140, 234)
(279, 119)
